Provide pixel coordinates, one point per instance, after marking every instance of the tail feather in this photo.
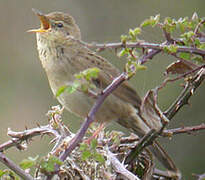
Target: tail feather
(165, 160)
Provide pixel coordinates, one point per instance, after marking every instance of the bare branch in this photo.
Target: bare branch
(185, 95)
(187, 130)
(119, 168)
(10, 164)
(145, 45)
(19, 137)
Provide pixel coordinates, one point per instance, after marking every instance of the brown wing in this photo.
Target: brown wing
(108, 72)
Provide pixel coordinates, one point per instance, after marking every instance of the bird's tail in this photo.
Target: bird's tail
(165, 160)
(137, 125)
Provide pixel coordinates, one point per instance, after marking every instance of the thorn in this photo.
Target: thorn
(53, 140)
(192, 91)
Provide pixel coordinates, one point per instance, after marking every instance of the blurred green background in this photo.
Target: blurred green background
(25, 96)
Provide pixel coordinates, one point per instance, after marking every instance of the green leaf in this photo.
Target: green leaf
(123, 52)
(197, 42)
(145, 23)
(60, 90)
(170, 48)
(88, 74)
(182, 24)
(132, 35)
(98, 157)
(124, 38)
(83, 146)
(94, 144)
(2, 172)
(137, 31)
(153, 21)
(28, 163)
(141, 67)
(93, 73)
(198, 59)
(71, 89)
(185, 55)
(156, 20)
(188, 35)
(49, 164)
(86, 155)
(54, 159)
(202, 46)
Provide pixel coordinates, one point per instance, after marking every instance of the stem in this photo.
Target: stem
(10, 164)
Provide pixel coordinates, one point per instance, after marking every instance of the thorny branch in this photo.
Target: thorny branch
(19, 137)
(188, 130)
(154, 49)
(185, 95)
(6, 161)
(145, 45)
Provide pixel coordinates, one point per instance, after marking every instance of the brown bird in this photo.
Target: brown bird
(62, 56)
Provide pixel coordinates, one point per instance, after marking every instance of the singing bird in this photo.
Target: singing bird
(63, 55)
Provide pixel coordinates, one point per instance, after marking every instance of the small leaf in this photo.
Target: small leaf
(86, 155)
(197, 42)
(60, 90)
(153, 21)
(28, 163)
(69, 88)
(198, 59)
(185, 55)
(2, 173)
(93, 72)
(145, 23)
(141, 67)
(48, 165)
(123, 52)
(54, 159)
(132, 35)
(94, 144)
(83, 147)
(170, 48)
(137, 31)
(202, 46)
(124, 38)
(98, 157)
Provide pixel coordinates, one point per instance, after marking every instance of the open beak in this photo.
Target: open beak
(45, 24)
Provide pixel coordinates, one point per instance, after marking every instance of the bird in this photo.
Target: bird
(62, 55)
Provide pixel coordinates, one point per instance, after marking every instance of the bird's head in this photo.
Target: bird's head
(57, 25)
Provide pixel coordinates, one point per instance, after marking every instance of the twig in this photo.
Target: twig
(143, 142)
(160, 173)
(199, 176)
(19, 137)
(10, 164)
(187, 130)
(185, 94)
(196, 31)
(179, 77)
(145, 45)
(119, 168)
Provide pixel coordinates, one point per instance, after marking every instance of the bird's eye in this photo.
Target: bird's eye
(60, 25)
